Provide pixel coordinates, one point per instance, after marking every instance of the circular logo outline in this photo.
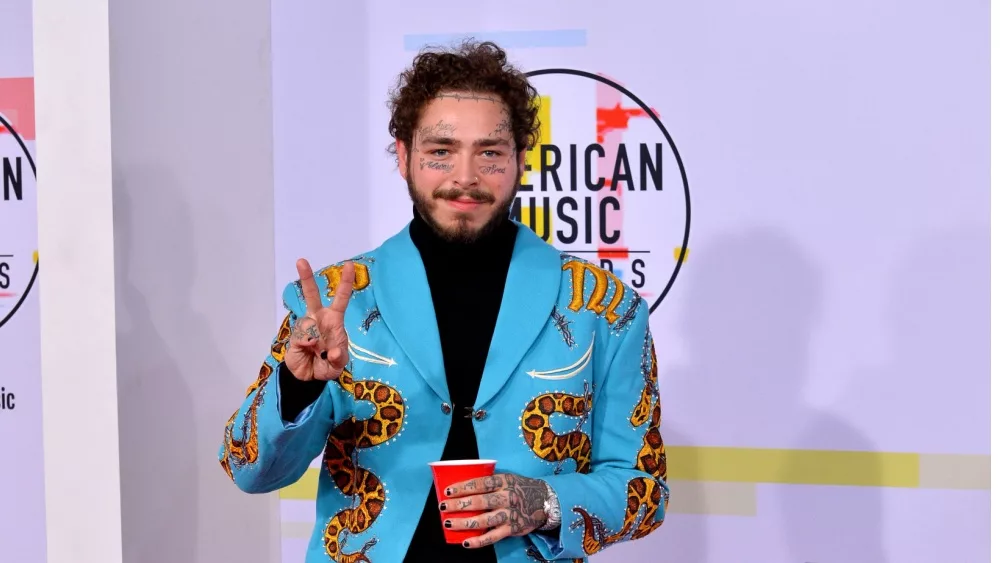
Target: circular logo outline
(31, 162)
(673, 147)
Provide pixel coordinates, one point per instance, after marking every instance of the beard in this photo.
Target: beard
(465, 232)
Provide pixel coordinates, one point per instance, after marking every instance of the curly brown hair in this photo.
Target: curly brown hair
(474, 66)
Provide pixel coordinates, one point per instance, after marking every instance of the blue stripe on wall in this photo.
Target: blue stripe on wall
(506, 39)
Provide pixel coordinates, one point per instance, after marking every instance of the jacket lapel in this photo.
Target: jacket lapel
(404, 301)
(529, 296)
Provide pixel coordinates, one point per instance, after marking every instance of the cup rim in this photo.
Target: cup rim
(459, 462)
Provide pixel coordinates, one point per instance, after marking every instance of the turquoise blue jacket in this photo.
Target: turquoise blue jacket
(569, 395)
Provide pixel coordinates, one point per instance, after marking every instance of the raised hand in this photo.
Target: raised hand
(318, 346)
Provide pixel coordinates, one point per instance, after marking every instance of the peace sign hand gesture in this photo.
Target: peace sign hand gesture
(318, 346)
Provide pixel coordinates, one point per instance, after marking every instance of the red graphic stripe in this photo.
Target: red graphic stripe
(609, 252)
(612, 121)
(17, 104)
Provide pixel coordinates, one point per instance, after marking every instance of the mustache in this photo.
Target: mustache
(452, 194)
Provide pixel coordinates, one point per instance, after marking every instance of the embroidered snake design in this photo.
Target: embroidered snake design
(340, 460)
(644, 494)
(544, 442)
(244, 451)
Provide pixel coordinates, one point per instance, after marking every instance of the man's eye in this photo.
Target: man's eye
(440, 152)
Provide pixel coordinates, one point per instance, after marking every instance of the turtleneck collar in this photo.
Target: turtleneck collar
(495, 246)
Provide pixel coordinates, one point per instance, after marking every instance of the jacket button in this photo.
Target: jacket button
(445, 408)
(480, 414)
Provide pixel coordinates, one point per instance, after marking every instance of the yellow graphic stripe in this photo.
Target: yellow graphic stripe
(533, 158)
(797, 467)
(827, 467)
(304, 488)
(541, 221)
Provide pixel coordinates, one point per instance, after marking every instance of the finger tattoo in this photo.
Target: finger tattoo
(493, 501)
(496, 519)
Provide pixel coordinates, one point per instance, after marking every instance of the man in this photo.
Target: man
(464, 336)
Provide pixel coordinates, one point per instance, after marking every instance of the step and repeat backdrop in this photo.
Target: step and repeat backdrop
(22, 508)
(805, 199)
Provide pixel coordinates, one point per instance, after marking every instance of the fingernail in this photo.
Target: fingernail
(447, 492)
(465, 543)
(323, 354)
(442, 506)
(447, 523)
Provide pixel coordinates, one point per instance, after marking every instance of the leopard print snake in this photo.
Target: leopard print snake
(544, 442)
(340, 460)
(644, 494)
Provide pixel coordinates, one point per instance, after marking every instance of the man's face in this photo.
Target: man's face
(462, 169)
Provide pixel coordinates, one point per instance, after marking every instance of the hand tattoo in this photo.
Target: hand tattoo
(310, 332)
(526, 498)
(512, 505)
(496, 519)
(493, 501)
(493, 482)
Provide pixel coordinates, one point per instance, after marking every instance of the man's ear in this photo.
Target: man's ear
(403, 156)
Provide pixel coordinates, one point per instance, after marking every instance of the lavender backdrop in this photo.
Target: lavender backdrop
(22, 510)
(824, 350)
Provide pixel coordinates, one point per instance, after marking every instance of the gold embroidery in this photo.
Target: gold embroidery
(578, 270)
(333, 273)
(352, 480)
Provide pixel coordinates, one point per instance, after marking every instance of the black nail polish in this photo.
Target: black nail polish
(442, 506)
(323, 354)
(465, 543)
(447, 523)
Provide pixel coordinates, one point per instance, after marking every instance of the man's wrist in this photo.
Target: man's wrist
(553, 513)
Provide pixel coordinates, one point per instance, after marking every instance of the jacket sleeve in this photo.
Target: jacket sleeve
(263, 448)
(625, 495)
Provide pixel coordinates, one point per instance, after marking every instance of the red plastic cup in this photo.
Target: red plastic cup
(447, 473)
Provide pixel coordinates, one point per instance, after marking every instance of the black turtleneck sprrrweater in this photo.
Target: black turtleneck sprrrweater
(466, 284)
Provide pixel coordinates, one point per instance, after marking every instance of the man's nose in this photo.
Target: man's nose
(466, 173)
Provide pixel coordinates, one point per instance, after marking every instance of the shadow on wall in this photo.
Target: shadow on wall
(938, 321)
(751, 301)
(177, 503)
(155, 404)
(936, 382)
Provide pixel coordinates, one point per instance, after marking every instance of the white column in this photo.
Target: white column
(77, 286)
(156, 316)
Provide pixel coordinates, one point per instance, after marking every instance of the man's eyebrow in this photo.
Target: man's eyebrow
(451, 141)
(492, 142)
(438, 140)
